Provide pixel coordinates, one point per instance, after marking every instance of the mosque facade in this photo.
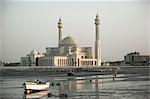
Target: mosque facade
(68, 52)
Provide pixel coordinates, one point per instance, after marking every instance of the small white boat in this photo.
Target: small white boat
(35, 86)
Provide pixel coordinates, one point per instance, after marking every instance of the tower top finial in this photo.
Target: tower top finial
(60, 23)
(97, 20)
(60, 19)
(97, 15)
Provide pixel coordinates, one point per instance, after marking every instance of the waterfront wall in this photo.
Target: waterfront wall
(47, 70)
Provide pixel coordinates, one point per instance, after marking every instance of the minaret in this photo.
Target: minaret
(97, 41)
(60, 26)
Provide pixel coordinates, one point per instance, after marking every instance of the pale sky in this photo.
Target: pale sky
(26, 25)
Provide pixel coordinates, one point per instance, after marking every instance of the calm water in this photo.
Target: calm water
(133, 86)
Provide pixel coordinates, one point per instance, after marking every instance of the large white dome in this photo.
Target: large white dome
(68, 41)
(33, 52)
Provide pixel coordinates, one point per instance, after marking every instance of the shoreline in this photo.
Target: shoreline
(47, 70)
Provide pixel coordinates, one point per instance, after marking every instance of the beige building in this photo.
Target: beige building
(136, 59)
(68, 52)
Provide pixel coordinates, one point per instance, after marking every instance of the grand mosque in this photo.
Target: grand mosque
(68, 53)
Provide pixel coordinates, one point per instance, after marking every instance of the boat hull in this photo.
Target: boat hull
(32, 87)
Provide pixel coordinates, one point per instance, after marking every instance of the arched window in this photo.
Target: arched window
(37, 61)
(95, 62)
(78, 61)
(72, 62)
(29, 61)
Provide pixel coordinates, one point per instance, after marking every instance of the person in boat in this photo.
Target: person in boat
(39, 82)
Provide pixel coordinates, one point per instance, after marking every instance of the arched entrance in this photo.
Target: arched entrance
(37, 61)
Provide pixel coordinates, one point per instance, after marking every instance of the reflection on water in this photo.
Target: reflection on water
(36, 95)
(90, 87)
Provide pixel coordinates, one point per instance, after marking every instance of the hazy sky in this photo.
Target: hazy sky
(28, 25)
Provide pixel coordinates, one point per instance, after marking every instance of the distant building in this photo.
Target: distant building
(68, 52)
(116, 63)
(12, 64)
(1, 63)
(137, 59)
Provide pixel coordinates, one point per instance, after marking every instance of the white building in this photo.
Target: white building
(31, 59)
(68, 53)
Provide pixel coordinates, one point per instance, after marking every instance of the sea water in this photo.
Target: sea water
(125, 86)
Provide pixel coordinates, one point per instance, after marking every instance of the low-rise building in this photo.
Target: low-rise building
(137, 59)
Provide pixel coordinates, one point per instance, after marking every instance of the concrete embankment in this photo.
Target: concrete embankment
(27, 71)
(134, 70)
(47, 70)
